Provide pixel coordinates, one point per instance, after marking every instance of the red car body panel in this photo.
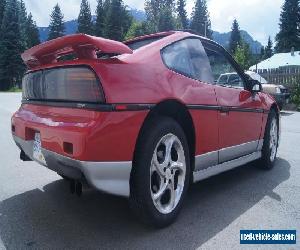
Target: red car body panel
(96, 136)
(139, 78)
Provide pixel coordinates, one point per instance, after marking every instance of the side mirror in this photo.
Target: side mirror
(255, 86)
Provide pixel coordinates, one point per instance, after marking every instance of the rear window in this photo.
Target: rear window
(72, 84)
(141, 43)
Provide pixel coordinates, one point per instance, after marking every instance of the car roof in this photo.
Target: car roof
(171, 36)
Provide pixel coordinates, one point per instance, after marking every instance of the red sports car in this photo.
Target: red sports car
(142, 119)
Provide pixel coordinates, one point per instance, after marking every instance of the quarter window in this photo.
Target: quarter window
(188, 58)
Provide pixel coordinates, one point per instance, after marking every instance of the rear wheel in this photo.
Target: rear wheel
(270, 145)
(161, 170)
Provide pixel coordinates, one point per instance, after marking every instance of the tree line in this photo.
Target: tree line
(112, 20)
(288, 37)
(18, 32)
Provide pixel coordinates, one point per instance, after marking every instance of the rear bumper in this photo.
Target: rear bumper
(109, 177)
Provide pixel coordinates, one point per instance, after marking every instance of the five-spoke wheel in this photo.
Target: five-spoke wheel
(167, 173)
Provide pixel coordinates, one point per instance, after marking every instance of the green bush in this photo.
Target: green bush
(14, 89)
(296, 93)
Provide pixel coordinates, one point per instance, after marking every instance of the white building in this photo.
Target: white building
(279, 60)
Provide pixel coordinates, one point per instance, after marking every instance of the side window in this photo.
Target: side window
(188, 58)
(176, 57)
(223, 72)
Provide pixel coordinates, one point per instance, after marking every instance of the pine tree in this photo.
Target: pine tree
(33, 37)
(200, 19)
(235, 37)
(57, 26)
(23, 23)
(269, 49)
(262, 53)
(106, 7)
(243, 55)
(289, 34)
(2, 8)
(100, 19)
(160, 15)
(85, 24)
(182, 15)
(117, 21)
(166, 19)
(106, 4)
(11, 66)
(136, 29)
(127, 20)
(113, 22)
(152, 9)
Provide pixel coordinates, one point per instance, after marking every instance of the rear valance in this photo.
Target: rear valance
(84, 46)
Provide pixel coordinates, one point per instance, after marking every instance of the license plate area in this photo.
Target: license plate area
(37, 149)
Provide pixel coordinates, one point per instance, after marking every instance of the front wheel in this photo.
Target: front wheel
(270, 146)
(161, 170)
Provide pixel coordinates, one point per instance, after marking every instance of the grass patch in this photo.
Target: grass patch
(13, 89)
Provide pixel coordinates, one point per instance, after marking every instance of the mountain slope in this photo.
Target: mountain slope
(224, 38)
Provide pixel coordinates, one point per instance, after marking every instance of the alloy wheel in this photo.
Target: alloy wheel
(167, 173)
(273, 139)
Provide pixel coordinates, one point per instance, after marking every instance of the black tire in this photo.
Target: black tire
(266, 162)
(141, 201)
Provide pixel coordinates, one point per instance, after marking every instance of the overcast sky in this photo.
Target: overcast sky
(259, 18)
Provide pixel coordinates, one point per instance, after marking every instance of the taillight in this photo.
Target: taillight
(75, 84)
(83, 85)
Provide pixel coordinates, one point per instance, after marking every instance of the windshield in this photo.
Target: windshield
(256, 77)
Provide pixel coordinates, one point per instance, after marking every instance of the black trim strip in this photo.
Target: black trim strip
(203, 107)
(103, 107)
(225, 108)
(133, 107)
(251, 110)
(77, 105)
(120, 107)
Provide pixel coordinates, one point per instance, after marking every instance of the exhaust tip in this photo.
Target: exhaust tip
(24, 157)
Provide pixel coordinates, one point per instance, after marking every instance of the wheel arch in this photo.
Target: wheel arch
(180, 113)
(275, 107)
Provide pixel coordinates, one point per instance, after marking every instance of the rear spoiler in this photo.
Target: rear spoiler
(83, 46)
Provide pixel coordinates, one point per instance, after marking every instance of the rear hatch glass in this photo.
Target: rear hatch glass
(68, 84)
(136, 44)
